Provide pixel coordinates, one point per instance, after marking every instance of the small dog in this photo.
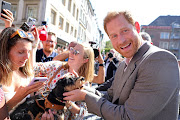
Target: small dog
(33, 108)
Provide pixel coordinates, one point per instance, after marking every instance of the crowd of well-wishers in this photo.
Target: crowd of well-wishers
(143, 85)
(20, 54)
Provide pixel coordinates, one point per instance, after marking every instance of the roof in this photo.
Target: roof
(165, 21)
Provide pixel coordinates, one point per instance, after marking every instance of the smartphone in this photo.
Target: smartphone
(5, 5)
(31, 21)
(44, 23)
(36, 79)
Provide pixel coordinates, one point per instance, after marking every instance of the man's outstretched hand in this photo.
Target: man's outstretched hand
(75, 95)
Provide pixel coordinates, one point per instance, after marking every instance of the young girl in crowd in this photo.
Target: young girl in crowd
(15, 67)
(81, 61)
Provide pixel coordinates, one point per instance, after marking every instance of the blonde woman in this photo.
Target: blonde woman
(81, 61)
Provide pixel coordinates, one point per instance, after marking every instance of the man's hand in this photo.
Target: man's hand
(75, 95)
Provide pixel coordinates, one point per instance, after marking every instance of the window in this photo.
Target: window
(32, 11)
(88, 27)
(74, 7)
(67, 27)
(61, 22)
(173, 45)
(64, 2)
(84, 37)
(53, 17)
(14, 11)
(69, 5)
(75, 33)
(164, 35)
(79, 32)
(77, 13)
(164, 45)
(80, 14)
(71, 30)
(82, 33)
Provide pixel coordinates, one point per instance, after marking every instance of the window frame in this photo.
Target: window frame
(33, 8)
(164, 35)
(55, 14)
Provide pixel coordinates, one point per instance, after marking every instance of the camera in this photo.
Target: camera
(44, 23)
(25, 27)
(96, 52)
(110, 55)
(31, 21)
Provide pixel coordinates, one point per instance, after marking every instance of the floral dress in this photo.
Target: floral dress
(47, 69)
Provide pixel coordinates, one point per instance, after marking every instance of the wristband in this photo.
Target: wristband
(101, 64)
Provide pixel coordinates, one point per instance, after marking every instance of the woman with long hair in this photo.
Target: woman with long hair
(81, 61)
(16, 47)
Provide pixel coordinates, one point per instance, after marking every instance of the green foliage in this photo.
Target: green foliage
(108, 46)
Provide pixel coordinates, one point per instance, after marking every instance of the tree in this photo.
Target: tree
(108, 46)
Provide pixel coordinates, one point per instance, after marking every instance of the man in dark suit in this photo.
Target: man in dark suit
(146, 85)
(111, 64)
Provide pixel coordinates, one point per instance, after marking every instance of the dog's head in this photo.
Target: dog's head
(67, 83)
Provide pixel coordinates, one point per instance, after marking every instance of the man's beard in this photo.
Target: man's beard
(49, 50)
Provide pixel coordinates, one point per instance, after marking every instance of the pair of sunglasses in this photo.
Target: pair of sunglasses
(23, 34)
(73, 51)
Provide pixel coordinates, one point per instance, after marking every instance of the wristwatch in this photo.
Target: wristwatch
(101, 64)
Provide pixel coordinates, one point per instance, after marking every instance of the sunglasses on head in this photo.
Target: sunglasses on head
(23, 34)
(73, 51)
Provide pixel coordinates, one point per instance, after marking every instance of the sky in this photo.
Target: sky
(144, 11)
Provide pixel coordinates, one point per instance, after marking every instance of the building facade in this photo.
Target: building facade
(165, 33)
(71, 20)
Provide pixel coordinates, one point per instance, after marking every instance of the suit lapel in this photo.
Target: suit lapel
(122, 76)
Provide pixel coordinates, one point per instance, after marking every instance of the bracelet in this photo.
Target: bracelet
(102, 65)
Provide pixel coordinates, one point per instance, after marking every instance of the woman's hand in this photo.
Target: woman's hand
(50, 115)
(72, 107)
(22, 92)
(36, 36)
(8, 18)
(34, 46)
(100, 58)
